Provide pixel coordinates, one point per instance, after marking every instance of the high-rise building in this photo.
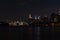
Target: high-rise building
(30, 16)
(35, 17)
(38, 17)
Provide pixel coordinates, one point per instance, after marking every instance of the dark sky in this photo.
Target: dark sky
(25, 7)
(37, 6)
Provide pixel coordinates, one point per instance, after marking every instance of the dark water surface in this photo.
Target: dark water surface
(29, 33)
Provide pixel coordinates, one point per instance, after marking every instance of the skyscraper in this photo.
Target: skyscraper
(35, 17)
(38, 17)
(30, 16)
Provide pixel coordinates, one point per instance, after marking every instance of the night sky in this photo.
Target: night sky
(37, 6)
(25, 7)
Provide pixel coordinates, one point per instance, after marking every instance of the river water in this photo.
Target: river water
(29, 33)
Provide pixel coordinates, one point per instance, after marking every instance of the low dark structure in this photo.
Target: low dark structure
(3, 24)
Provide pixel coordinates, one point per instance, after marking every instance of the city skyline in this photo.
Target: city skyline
(35, 16)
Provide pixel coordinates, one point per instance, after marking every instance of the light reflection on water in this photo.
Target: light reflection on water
(29, 33)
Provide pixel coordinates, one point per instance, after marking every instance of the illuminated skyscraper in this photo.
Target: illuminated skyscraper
(38, 17)
(30, 16)
(35, 17)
